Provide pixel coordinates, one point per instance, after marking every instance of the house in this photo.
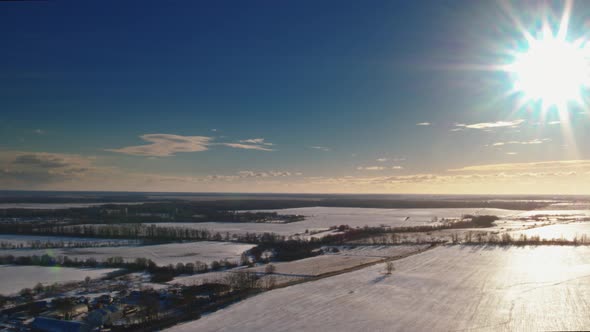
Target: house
(78, 309)
(45, 324)
(104, 316)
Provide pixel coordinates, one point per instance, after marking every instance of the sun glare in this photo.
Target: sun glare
(552, 71)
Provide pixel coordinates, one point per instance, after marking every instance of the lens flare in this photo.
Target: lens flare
(552, 71)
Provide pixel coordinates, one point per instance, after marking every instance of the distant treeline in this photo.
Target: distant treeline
(159, 273)
(143, 213)
(37, 244)
(224, 210)
(136, 231)
(164, 233)
(346, 233)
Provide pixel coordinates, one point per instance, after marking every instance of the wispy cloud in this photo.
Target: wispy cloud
(488, 125)
(39, 131)
(251, 144)
(166, 145)
(321, 148)
(259, 141)
(534, 141)
(36, 169)
(382, 160)
(371, 168)
(265, 174)
(532, 166)
(247, 146)
(423, 124)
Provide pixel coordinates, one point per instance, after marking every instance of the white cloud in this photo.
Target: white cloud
(322, 148)
(488, 125)
(247, 146)
(250, 144)
(259, 141)
(165, 145)
(528, 167)
(39, 131)
(265, 174)
(423, 124)
(370, 168)
(534, 141)
(382, 160)
(36, 169)
(511, 153)
(396, 167)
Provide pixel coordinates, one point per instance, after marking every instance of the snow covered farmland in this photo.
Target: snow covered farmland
(347, 257)
(322, 218)
(558, 231)
(15, 278)
(162, 254)
(446, 288)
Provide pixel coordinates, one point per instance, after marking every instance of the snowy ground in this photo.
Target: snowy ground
(556, 213)
(162, 254)
(346, 257)
(321, 218)
(565, 231)
(15, 278)
(447, 288)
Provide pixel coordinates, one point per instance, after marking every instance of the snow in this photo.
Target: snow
(379, 251)
(447, 288)
(347, 257)
(565, 231)
(322, 218)
(161, 254)
(555, 213)
(15, 278)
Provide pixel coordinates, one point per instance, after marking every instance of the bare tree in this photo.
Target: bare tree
(241, 280)
(389, 267)
(270, 269)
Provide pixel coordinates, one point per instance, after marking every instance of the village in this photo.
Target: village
(115, 303)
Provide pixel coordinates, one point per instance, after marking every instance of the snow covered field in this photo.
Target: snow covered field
(565, 231)
(162, 254)
(319, 218)
(556, 213)
(15, 278)
(448, 288)
(347, 257)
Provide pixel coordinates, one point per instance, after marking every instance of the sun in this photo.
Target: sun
(552, 70)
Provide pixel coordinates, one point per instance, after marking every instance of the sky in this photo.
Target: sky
(290, 96)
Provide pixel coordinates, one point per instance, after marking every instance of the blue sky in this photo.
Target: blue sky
(292, 96)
